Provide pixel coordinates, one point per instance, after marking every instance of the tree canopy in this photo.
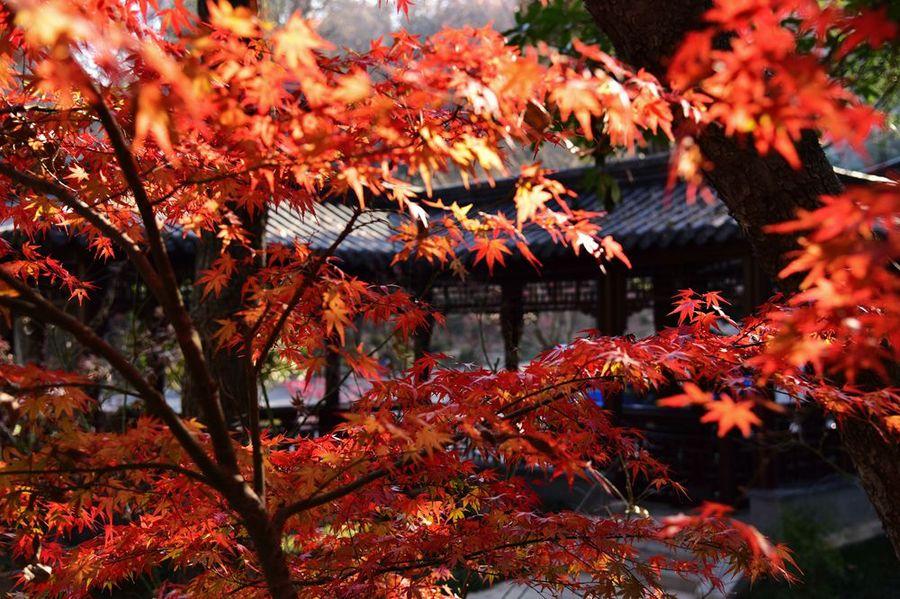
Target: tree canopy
(125, 123)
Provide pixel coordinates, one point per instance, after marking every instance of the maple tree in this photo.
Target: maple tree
(125, 123)
(762, 190)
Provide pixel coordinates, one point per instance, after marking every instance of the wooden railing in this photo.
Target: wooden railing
(797, 447)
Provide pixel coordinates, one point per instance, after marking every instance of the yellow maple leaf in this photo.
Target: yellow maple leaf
(77, 173)
(295, 43)
(336, 314)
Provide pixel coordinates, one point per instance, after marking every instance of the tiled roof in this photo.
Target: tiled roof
(646, 216)
(368, 244)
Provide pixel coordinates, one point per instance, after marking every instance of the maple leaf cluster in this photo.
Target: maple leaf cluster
(384, 496)
(763, 86)
(126, 123)
(843, 322)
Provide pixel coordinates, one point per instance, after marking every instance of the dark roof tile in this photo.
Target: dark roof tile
(646, 216)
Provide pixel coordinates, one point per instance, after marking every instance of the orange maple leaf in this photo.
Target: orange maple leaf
(491, 251)
(731, 414)
(693, 395)
(336, 314)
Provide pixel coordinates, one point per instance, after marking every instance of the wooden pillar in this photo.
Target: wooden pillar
(665, 286)
(612, 308)
(422, 337)
(612, 318)
(727, 480)
(757, 289)
(767, 453)
(421, 288)
(512, 317)
(329, 411)
(422, 345)
(757, 286)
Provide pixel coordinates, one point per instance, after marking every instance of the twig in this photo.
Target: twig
(300, 290)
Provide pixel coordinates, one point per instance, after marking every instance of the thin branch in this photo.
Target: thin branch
(529, 395)
(20, 108)
(97, 220)
(171, 300)
(166, 293)
(43, 310)
(78, 385)
(300, 290)
(259, 472)
(211, 179)
(316, 500)
(110, 469)
(430, 562)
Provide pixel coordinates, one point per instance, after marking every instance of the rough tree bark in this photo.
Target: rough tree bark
(758, 191)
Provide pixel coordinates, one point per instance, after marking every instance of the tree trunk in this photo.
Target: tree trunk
(761, 191)
(758, 191)
(877, 462)
(235, 376)
(266, 538)
(231, 368)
